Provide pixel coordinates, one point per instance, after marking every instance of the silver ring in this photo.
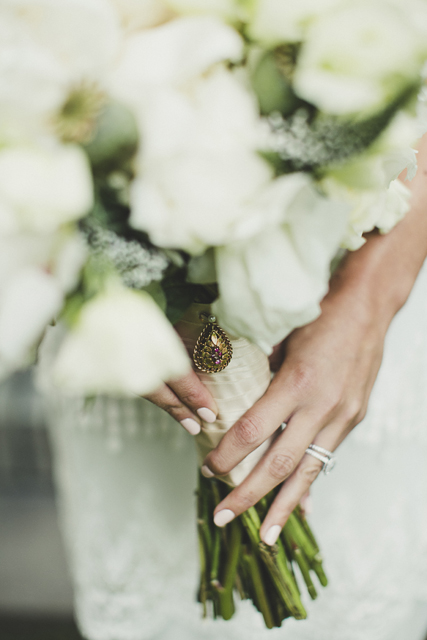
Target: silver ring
(324, 456)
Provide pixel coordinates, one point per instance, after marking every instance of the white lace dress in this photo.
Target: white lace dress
(126, 476)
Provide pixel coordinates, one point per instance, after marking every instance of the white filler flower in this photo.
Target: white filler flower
(122, 344)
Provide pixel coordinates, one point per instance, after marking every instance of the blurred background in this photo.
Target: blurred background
(35, 588)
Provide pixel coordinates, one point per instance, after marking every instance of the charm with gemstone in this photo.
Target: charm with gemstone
(213, 350)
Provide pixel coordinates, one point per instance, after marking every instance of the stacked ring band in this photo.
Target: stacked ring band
(323, 455)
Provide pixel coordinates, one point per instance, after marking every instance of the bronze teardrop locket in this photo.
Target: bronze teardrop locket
(213, 351)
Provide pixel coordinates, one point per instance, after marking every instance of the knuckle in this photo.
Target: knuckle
(303, 378)
(309, 472)
(334, 400)
(361, 415)
(217, 463)
(247, 431)
(172, 407)
(247, 500)
(191, 398)
(281, 465)
(352, 410)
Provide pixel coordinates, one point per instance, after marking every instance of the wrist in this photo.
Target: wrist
(367, 286)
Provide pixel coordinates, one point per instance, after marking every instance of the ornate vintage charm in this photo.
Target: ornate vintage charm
(213, 350)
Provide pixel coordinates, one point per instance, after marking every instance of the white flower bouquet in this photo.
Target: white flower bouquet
(157, 153)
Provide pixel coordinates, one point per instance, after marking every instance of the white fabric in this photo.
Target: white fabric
(127, 473)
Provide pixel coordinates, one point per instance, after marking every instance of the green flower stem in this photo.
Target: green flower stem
(226, 601)
(299, 535)
(275, 560)
(284, 581)
(295, 531)
(203, 590)
(316, 561)
(216, 556)
(302, 562)
(298, 513)
(317, 567)
(234, 558)
(259, 590)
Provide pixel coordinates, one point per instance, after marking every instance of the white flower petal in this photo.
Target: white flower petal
(274, 21)
(82, 35)
(226, 9)
(122, 345)
(275, 281)
(45, 187)
(173, 54)
(358, 57)
(28, 302)
(142, 14)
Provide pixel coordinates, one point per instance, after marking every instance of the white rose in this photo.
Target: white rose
(275, 22)
(201, 181)
(28, 302)
(194, 201)
(415, 12)
(275, 281)
(172, 55)
(45, 188)
(358, 58)
(122, 344)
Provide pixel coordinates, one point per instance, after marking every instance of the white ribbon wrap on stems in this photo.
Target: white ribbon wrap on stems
(235, 390)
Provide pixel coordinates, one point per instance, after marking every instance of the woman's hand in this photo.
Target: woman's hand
(322, 387)
(321, 392)
(187, 400)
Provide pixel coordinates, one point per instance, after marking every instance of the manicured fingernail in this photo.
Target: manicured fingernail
(191, 425)
(224, 517)
(272, 534)
(206, 414)
(206, 472)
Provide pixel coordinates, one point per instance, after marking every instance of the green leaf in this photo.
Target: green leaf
(155, 290)
(274, 91)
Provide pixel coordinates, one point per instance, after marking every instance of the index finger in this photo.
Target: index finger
(250, 431)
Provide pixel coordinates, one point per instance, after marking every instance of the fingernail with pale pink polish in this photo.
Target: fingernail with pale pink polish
(206, 472)
(224, 517)
(206, 414)
(191, 426)
(272, 534)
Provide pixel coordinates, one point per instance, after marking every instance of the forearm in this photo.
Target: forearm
(381, 274)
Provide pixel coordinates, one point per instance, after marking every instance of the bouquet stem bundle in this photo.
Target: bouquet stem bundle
(234, 559)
